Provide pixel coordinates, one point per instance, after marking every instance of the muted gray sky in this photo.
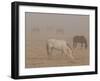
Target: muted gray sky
(70, 24)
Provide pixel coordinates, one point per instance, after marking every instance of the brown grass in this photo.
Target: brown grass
(36, 56)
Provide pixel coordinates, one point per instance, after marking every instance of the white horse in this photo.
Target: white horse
(60, 45)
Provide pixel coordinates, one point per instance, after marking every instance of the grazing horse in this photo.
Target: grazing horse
(79, 40)
(60, 45)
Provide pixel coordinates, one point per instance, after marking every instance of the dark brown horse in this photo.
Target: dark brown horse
(79, 40)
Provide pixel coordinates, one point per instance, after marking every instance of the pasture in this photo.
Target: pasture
(36, 56)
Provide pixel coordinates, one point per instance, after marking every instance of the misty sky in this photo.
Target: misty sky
(70, 24)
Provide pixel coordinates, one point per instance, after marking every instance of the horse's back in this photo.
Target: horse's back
(57, 43)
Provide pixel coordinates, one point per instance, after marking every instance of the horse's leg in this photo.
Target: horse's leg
(81, 44)
(64, 51)
(70, 54)
(85, 44)
(48, 50)
(74, 44)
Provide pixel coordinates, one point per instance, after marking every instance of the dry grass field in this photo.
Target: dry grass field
(36, 56)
